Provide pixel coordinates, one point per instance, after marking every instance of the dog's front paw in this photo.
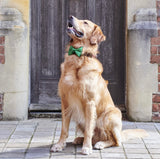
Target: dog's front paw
(57, 147)
(86, 150)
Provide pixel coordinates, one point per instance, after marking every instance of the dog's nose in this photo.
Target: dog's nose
(71, 17)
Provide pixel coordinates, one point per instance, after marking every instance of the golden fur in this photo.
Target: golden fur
(84, 94)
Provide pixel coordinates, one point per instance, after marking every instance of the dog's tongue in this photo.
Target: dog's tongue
(73, 29)
(77, 33)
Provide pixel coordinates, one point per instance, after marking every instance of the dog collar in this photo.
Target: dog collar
(78, 52)
(89, 55)
(73, 50)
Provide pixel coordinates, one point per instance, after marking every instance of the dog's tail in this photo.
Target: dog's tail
(133, 133)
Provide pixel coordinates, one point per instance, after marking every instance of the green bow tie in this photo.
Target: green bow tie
(72, 51)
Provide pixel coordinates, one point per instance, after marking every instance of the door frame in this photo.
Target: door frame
(31, 104)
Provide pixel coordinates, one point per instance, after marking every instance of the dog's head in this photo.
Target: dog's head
(84, 30)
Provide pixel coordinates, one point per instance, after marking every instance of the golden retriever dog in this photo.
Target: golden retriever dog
(84, 94)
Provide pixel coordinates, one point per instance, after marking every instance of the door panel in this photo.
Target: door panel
(48, 40)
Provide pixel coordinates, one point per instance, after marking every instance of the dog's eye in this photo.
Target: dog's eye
(85, 22)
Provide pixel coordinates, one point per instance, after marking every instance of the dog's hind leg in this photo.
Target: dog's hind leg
(117, 136)
(78, 140)
(103, 144)
(105, 140)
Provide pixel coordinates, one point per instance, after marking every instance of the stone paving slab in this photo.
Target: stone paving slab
(33, 138)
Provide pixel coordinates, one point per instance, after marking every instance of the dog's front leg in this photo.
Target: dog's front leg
(90, 116)
(64, 132)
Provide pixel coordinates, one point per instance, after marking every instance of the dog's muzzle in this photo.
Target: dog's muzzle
(71, 29)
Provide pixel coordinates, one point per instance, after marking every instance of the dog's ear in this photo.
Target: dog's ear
(97, 36)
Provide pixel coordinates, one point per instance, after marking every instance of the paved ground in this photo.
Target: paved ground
(32, 139)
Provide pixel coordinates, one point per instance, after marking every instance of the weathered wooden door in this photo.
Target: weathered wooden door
(48, 40)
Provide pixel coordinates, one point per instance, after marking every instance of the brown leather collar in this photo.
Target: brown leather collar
(89, 55)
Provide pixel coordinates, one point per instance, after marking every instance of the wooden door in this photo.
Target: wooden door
(48, 40)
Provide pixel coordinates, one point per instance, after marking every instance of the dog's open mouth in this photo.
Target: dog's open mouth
(72, 30)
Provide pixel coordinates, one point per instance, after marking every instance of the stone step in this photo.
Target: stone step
(45, 115)
(54, 111)
(58, 115)
(148, 14)
(45, 107)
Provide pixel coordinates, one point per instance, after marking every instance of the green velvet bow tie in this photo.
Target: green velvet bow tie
(73, 50)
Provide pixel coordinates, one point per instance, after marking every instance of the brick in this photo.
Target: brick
(2, 59)
(155, 107)
(158, 32)
(159, 108)
(0, 107)
(154, 49)
(158, 12)
(155, 59)
(158, 4)
(2, 40)
(158, 77)
(158, 49)
(156, 98)
(155, 41)
(1, 49)
(158, 87)
(158, 68)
